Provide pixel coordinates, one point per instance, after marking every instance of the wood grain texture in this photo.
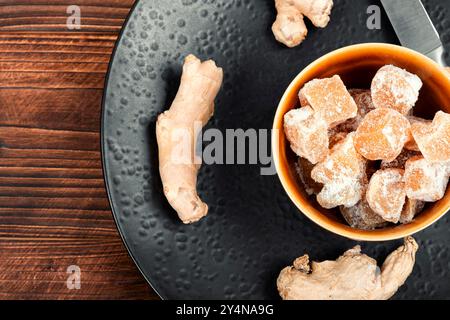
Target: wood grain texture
(54, 210)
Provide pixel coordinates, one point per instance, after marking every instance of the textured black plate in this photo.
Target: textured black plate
(252, 230)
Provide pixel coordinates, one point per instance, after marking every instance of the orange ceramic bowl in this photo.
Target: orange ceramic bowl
(357, 66)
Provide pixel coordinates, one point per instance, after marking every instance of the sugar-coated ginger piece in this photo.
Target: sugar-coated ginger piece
(330, 99)
(353, 276)
(382, 134)
(424, 180)
(304, 168)
(307, 133)
(289, 27)
(363, 100)
(178, 166)
(411, 144)
(361, 216)
(400, 161)
(386, 194)
(410, 210)
(433, 139)
(395, 88)
(342, 173)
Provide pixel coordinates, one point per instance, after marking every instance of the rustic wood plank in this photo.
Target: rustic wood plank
(100, 16)
(54, 210)
(34, 138)
(49, 153)
(64, 80)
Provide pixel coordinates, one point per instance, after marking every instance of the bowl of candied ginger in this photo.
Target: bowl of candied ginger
(361, 142)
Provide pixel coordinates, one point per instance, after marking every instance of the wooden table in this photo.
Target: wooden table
(54, 211)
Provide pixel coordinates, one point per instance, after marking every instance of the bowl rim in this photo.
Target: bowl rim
(336, 228)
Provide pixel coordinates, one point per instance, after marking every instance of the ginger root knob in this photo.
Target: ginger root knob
(353, 276)
(289, 27)
(176, 132)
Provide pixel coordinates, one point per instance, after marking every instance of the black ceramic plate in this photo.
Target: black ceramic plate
(252, 229)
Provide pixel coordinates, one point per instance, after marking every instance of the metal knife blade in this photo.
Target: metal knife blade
(414, 28)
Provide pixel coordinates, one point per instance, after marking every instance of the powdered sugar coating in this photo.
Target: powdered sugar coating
(433, 139)
(341, 173)
(424, 180)
(307, 134)
(395, 88)
(382, 134)
(386, 194)
(330, 99)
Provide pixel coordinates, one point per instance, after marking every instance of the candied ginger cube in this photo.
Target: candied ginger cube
(307, 134)
(342, 173)
(411, 209)
(330, 99)
(424, 180)
(395, 88)
(411, 144)
(433, 139)
(361, 216)
(382, 134)
(304, 168)
(386, 194)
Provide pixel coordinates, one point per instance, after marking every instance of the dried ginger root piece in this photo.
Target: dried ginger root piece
(386, 194)
(433, 139)
(304, 168)
(424, 180)
(353, 276)
(363, 100)
(382, 135)
(330, 99)
(307, 134)
(411, 144)
(361, 216)
(194, 103)
(400, 161)
(395, 88)
(411, 209)
(289, 27)
(342, 174)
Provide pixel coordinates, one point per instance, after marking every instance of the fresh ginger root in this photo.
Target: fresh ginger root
(353, 276)
(193, 106)
(289, 27)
